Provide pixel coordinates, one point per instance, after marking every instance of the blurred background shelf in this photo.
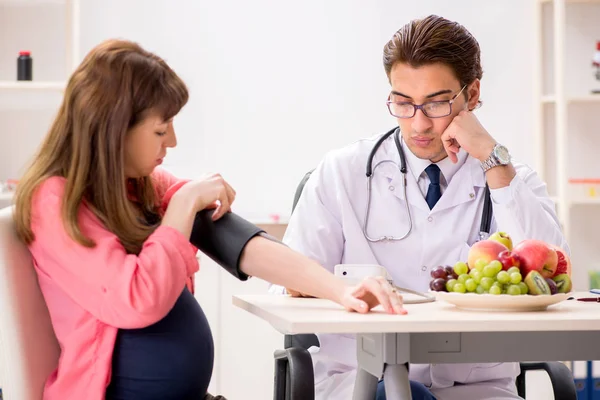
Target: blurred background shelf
(31, 85)
(591, 98)
(573, 1)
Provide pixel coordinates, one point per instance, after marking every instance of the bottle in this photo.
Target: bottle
(24, 66)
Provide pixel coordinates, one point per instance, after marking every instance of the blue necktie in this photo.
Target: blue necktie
(434, 192)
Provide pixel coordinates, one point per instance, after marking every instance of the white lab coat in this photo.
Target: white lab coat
(327, 227)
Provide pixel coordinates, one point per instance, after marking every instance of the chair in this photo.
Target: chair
(29, 350)
(294, 374)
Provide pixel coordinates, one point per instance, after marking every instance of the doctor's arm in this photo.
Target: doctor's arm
(524, 209)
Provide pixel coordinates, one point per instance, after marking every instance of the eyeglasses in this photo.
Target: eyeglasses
(431, 109)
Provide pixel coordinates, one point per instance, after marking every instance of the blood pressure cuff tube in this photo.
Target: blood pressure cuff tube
(224, 240)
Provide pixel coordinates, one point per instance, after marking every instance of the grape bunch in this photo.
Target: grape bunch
(482, 278)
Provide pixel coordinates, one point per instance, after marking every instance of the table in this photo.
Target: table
(437, 332)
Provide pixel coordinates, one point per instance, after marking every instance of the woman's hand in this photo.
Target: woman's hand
(211, 191)
(371, 292)
(194, 196)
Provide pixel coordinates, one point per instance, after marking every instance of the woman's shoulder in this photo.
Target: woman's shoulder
(52, 186)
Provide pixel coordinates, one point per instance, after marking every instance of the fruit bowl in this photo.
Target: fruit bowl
(501, 302)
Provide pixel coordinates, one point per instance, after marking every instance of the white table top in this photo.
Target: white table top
(301, 315)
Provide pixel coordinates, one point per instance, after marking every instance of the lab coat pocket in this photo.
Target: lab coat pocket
(488, 371)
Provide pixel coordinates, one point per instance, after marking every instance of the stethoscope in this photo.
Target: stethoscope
(486, 219)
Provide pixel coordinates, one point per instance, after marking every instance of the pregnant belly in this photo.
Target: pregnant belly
(171, 359)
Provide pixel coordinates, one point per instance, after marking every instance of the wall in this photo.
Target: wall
(274, 85)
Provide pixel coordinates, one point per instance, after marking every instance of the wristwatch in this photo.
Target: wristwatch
(499, 156)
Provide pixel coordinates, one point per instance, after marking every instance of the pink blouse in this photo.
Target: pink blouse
(92, 292)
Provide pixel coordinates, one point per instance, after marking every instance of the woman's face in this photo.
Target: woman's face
(146, 145)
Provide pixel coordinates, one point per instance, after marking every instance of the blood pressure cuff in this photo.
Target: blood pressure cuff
(223, 240)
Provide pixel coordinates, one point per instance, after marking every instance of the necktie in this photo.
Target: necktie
(434, 192)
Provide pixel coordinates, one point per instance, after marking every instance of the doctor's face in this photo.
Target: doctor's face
(429, 83)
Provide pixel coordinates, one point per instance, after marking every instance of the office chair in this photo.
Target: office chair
(29, 350)
(294, 374)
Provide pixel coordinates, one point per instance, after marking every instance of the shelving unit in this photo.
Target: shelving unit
(32, 94)
(564, 142)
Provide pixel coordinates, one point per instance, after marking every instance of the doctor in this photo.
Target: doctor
(433, 66)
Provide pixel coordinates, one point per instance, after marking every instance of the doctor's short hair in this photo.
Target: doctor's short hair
(435, 40)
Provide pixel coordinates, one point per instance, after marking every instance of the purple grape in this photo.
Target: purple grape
(438, 284)
(438, 272)
(450, 272)
(553, 287)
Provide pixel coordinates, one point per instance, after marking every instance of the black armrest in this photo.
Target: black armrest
(223, 240)
(294, 375)
(561, 377)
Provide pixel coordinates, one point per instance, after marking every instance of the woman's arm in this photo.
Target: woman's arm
(120, 289)
(277, 263)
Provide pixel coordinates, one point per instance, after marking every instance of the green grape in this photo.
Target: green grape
(461, 268)
(463, 278)
(513, 269)
(516, 277)
(450, 284)
(476, 275)
(514, 290)
(523, 287)
(459, 288)
(503, 277)
(486, 283)
(489, 271)
(480, 264)
(497, 265)
(470, 285)
(495, 290)
(480, 289)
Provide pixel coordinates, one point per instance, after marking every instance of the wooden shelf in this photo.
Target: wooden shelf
(549, 99)
(591, 200)
(31, 85)
(573, 1)
(589, 98)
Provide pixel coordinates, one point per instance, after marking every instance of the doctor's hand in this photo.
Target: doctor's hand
(466, 131)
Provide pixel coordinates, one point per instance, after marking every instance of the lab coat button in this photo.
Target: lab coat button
(430, 219)
(472, 195)
(391, 188)
(424, 268)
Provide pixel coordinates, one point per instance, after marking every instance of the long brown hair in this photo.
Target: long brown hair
(115, 87)
(435, 40)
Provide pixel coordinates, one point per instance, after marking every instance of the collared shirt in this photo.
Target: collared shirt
(448, 169)
(417, 166)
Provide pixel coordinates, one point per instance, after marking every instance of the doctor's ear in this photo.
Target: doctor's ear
(473, 93)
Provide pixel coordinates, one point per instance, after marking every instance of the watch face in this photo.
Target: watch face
(502, 154)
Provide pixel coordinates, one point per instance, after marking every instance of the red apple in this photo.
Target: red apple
(508, 260)
(487, 250)
(564, 262)
(536, 255)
